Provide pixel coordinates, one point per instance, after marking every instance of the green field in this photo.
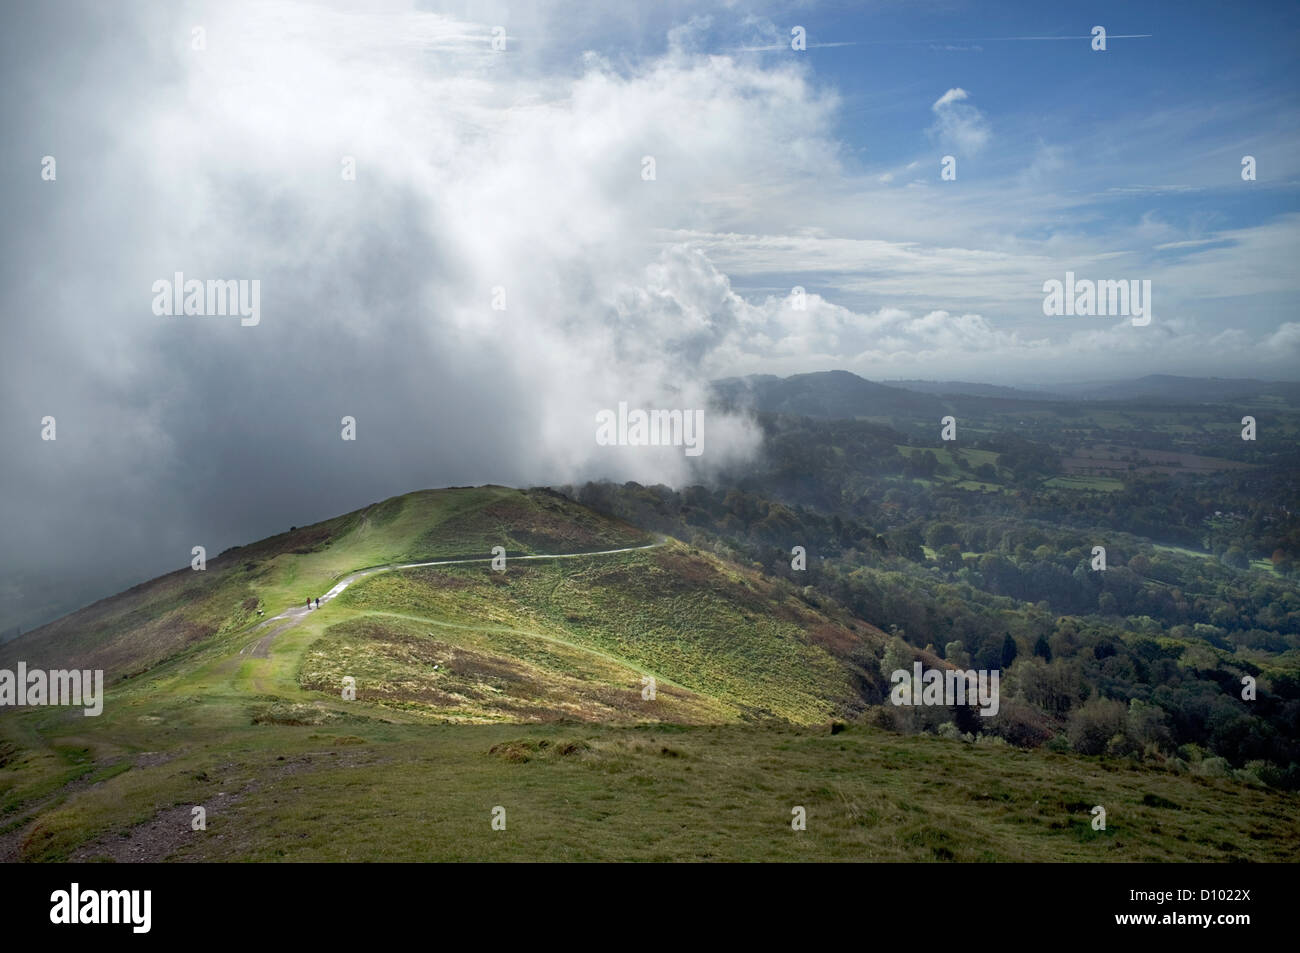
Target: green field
(1256, 565)
(1094, 483)
(950, 472)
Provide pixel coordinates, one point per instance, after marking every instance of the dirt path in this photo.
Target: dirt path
(261, 647)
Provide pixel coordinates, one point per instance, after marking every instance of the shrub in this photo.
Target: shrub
(1095, 723)
(1020, 724)
(1212, 768)
(882, 716)
(1059, 744)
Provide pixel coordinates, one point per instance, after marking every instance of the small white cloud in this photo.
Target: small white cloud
(958, 125)
(953, 95)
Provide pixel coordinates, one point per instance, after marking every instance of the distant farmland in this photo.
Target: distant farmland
(1111, 459)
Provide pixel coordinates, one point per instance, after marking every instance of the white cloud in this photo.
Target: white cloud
(958, 125)
(957, 94)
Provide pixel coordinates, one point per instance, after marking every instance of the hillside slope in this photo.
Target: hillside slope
(128, 633)
(705, 628)
(530, 688)
(553, 635)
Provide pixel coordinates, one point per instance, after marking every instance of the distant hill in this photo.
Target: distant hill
(831, 394)
(844, 395)
(973, 389)
(1195, 390)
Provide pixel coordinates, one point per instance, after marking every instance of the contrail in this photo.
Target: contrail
(786, 46)
(977, 39)
(993, 39)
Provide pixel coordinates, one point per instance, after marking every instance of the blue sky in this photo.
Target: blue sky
(1161, 110)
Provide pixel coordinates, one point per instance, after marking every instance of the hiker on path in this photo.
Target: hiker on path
(309, 602)
(318, 602)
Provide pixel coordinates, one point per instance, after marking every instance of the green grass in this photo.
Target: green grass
(949, 471)
(1183, 550)
(1079, 482)
(684, 617)
(980, 485)
(490, 674)
(362, 789)
(1256, 565)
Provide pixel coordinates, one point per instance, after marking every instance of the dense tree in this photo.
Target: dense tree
(1008, 650)
(939, 535)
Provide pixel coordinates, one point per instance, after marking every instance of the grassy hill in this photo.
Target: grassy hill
(130, 632)
(526, 689)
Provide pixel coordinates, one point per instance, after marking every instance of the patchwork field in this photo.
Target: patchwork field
(1106, 459)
